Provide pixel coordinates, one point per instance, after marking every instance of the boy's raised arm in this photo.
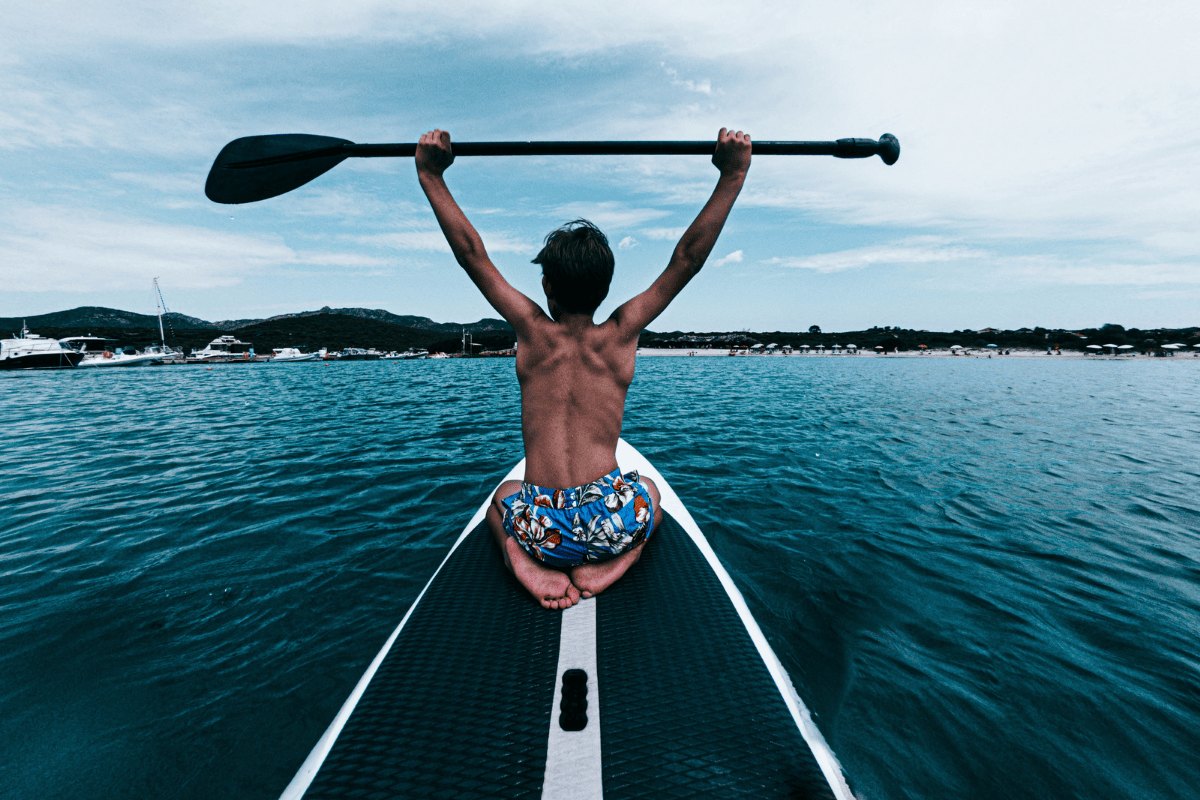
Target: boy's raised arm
(433, 157)
(732, 158)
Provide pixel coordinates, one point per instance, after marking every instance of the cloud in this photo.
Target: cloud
(53, 248)
(919, 250)
(993, 270)
(733, 258)
(664, 233)
(703, 87)
(610, 214)
(628, 243)
(435, 241)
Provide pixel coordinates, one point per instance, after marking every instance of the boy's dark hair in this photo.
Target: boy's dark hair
(578, 265)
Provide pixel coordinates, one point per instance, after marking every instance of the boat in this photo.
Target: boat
(407, 355)
(98, 351)
(440, 354)
(29, 351)
(661, 686)
(286, 355)
(222, 350)
(359, 354)
(168, 355)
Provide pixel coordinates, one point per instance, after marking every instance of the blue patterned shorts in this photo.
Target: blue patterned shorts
(568, 527)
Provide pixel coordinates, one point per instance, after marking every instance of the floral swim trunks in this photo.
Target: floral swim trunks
(568, 527)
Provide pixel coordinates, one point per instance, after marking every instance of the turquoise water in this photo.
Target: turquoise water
(982, 575)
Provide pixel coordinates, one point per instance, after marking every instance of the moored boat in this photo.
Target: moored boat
(286, 355)
(30, 351)
(359, 354)
(222, 350)
(100, 352)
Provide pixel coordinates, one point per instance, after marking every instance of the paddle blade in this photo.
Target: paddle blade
(257, 167)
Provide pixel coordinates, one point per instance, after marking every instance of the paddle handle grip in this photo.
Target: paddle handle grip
(887, 148)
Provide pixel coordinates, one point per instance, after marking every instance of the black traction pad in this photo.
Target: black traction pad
(687, 705)
(461, 705)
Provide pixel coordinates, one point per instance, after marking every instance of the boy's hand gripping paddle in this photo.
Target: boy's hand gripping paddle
(257, 167)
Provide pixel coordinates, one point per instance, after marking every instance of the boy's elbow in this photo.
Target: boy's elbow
(690, 260)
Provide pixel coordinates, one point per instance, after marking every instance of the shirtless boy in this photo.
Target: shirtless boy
(576, 524)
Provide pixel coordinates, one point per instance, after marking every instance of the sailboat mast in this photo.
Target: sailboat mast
(158, 303)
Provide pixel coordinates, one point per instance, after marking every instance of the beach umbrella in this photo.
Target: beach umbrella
(993, 345)
(923, 347)
(855, 347)
(1196, 345)
(1110, 345)
(1181, 344)
(805, 346)
(878, 347)
(956, 347)
(1093, 347)
(1130, 347)
(1172, 346)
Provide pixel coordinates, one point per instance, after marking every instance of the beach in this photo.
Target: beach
(1182, 355)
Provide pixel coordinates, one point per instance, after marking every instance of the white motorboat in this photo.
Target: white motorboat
(359, 354)
(287, 355)
(169, 355)
(223, 349)
(100, 352)
(408, 354)
(30, 351)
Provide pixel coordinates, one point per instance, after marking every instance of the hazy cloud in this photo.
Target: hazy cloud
(435, 241)
(628, 243)
(921, 250)
(610, 214)
(62, 249)
(733, 258)
(664, 233)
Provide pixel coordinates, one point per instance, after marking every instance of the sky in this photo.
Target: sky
(1048, 173)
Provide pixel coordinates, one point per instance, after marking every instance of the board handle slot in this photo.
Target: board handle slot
(574, 701)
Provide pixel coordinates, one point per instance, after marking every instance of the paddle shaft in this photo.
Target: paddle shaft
(254, 168)
(844, 148)
(841, 148)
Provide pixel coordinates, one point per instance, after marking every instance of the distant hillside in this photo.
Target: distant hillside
(311, 331)
(379, 315)
(98, 317)
(92, 318)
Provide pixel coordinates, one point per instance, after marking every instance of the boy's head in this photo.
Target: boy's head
(577, 266)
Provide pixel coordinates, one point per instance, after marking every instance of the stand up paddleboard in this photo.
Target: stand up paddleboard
(661, 686)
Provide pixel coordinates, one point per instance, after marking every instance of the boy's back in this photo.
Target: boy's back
(574, 376)
(574, 511)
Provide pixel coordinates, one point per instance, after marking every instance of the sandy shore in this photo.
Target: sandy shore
(1011, 353)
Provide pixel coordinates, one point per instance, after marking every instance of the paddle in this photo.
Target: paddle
(257, 167)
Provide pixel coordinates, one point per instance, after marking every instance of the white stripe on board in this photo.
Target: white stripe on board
(573, 757)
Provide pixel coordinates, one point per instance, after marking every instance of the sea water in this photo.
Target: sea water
(982, 574)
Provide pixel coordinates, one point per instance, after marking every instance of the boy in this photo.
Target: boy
(564, 532)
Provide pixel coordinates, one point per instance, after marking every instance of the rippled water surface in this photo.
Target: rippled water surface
(983, 575)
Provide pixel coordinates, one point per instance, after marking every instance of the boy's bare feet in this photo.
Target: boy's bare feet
(592, 579)
(551, 588)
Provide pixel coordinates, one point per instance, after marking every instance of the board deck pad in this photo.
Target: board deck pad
(461, 706)
(687, 706)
